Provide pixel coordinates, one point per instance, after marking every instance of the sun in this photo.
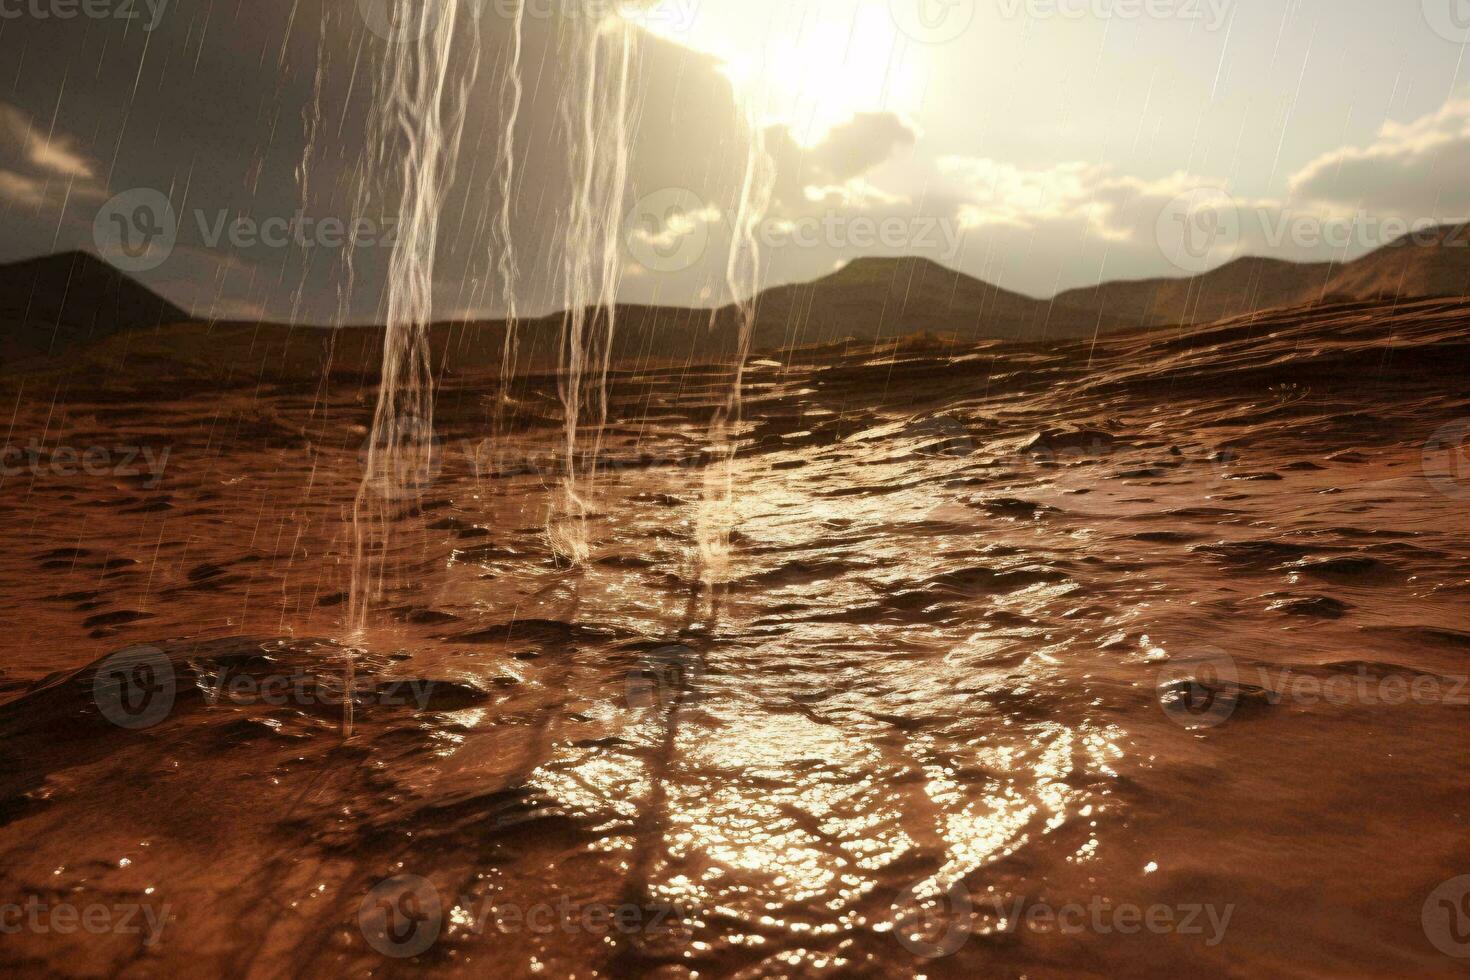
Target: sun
(805, 64)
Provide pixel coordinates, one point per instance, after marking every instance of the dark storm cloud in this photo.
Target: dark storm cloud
(216, 108)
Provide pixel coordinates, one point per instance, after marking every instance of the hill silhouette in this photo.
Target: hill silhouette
(1424, 264)
(1421, 265)
(54, 305)
(51, 304)
(872, 298)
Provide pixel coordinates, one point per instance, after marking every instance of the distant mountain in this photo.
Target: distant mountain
(52, 303)
(871, 298)
(1424, 264)
(1245, 285)
(1417, 266)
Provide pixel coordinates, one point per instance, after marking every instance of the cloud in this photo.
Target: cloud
(53, 153)
(1345, 203)
(673, 226)
(1003, 194)
(20, 189)
(845, 154)
(1415, 169)
(859, 145)
(36, 168)
(1079, 196)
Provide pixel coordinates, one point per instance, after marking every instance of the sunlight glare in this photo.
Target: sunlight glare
(809, 65)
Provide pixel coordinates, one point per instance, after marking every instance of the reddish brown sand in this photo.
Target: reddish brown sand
(1006, 630)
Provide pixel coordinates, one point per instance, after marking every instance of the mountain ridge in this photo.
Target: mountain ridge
(51, 304)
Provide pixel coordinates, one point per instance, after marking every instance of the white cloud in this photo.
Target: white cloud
(1077, 195)
(37, 168)
(1416, 169)
(846, 154)
(677, 225)
(21, 189)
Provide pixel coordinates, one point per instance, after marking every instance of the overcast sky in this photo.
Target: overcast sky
(1039, 144)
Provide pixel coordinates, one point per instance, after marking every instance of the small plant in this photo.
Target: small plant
(1289, 394)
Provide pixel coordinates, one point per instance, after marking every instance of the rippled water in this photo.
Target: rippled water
(1015, 640)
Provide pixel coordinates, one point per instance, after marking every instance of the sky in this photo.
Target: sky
(1037, 144)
